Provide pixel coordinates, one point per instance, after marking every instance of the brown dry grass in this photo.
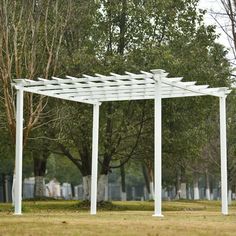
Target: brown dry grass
(188, 222)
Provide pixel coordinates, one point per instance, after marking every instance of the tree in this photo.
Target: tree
(230, 10)
(231, 143)
(31, 34)
(129, 35)
(225, 19)
(111, 36)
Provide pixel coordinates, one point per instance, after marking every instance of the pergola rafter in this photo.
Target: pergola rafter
(99, 88)
(96, 89)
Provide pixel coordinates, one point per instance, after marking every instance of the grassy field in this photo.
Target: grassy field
(120, 218)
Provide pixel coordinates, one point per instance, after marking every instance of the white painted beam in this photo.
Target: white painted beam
(72, 79)
(91, 96)
(123, 90)
(69, 98)
(116, 82)
(133, 95)
(223, 157)
(202, 89)
(19, 151)
(94, 177)
(90, 85)
(119, 86)
(158, 147)
(102, 89)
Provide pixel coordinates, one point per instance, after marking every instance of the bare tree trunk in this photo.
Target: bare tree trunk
(123, 186)
(183, 191)
(5, 187)
(150, 179)
(87, 187)
(40, 188)
(39, 173)
(13, 189)
(230, 196)
(208, 191)
(189, 192)
(146, 178)
(152, 192)
(195, 188)
(102, 193)
(102, 183)
(178, 185)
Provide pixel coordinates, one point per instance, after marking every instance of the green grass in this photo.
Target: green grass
(77, 206)
(118, 218)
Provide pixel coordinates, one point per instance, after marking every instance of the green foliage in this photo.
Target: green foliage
(6, 154)
(133, 35)
(115, 36)
(6, 146)
(63, 170)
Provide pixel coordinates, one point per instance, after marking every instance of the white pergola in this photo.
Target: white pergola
(100, 88)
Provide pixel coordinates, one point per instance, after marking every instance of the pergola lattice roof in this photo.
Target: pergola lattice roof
(115, 87)
(99, 88)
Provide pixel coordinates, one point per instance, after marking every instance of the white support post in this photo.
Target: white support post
(94, 178)
(158, 145)
(19, 150)
(223, 156)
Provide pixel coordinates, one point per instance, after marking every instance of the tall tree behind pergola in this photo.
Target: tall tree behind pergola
(99, 88)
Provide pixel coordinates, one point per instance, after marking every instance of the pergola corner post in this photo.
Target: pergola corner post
(94, 177)
(223, 156)
(19, 150)
(158, 143)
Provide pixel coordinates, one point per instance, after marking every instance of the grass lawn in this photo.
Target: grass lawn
(122, 218)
